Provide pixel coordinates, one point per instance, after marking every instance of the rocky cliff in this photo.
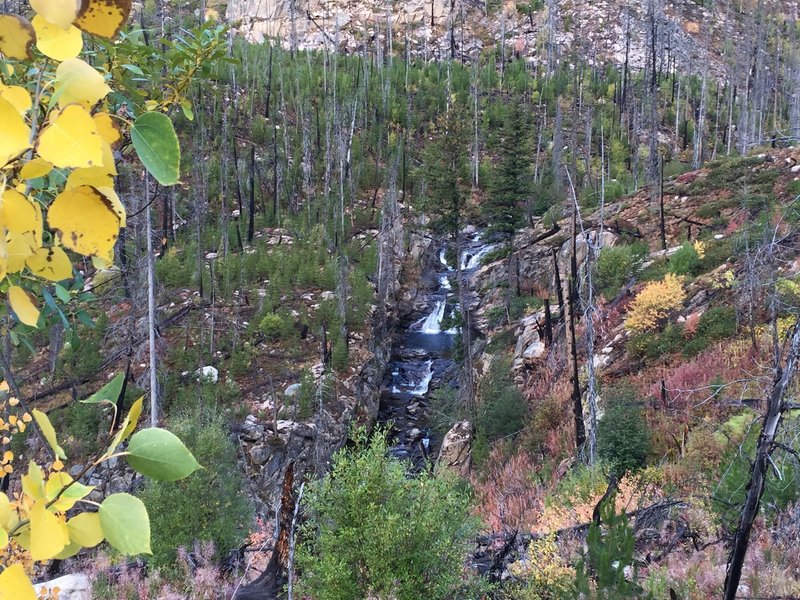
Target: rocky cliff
(696, 35)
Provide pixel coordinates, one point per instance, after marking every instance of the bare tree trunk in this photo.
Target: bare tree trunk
(151, 308)
(758, 472)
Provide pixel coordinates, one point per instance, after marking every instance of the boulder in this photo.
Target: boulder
(207, 374)
(251, 430)
(292, 390)
(70, 587)
(530, 346)
(456, 446)
(260, 454)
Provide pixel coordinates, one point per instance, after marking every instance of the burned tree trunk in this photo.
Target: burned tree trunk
(270, 583)
(758, 472)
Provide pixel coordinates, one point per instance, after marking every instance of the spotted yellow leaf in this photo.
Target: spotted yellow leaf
(107, 128)
(71, 140)
(78, 82)
(85, 529)
(24, 305)
(18, 96)
(15, 585)
(16, 37)
(50, 263)
(19, 248)
(33, 169)
(103, 17)
(48, 532)
(86, 221)
(116, 204)
(16, 133)
(100, 176)
(55, 42)
(59, 12)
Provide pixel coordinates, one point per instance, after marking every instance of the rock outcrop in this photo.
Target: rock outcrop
(456, 447)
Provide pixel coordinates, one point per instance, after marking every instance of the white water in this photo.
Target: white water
(443, 260)
(433, 322)
(444, 282)
(473, 261)
(421, 388)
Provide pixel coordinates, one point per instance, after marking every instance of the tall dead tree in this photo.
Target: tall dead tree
(776, 407)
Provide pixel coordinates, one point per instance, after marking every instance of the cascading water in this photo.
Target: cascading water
(433, 323)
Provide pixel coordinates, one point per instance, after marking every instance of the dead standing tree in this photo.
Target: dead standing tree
(776, 407)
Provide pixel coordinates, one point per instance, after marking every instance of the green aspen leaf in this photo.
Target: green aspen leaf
(159, 454)
(48, 431)
(109, 392)
(125, 524)
(84, 529)
(155, 141)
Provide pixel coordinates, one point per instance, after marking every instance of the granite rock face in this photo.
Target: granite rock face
(456, 447)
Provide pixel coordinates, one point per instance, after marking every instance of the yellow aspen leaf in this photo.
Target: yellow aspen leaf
(22, 215)
(3, 538)
(48, 532)
(93, 176)
(107, 128)
(3, 254)
(8, 456)
(103, 17)
(116, 204)
(15, 585)
(8, 516)
(69, 551)
(19, 248)
(78, 82)
(16, 37)
(26, 417)
(85, 529)
(33, 482)
(50, 263)
(58, 481)
(58, 12)
(48, 432)
(58, 465)
(86, 221)
(16, 133)
(18, 96)
(55, 42)
(71, 140)
(24, 305)
(33, 169)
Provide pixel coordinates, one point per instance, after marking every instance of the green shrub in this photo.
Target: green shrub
(610, 545)
(615, 266)
(715, 324)
(686, 261)
(374, 532)
(206, 506)
(623, 438)
(503, 407)
(276, 327)
(653, 345)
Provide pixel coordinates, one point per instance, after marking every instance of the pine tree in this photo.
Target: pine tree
(512, 181)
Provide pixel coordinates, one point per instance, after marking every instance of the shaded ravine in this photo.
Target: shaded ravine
(422, 360)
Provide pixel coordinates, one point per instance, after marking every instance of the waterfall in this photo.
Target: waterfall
(444, 282)
(433, 322)
(473, 261)
(443, 259)
(420, 388)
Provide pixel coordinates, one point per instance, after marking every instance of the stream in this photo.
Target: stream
(422, 360)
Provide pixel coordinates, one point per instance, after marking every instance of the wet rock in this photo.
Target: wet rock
(70, 587)
(456, 447)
